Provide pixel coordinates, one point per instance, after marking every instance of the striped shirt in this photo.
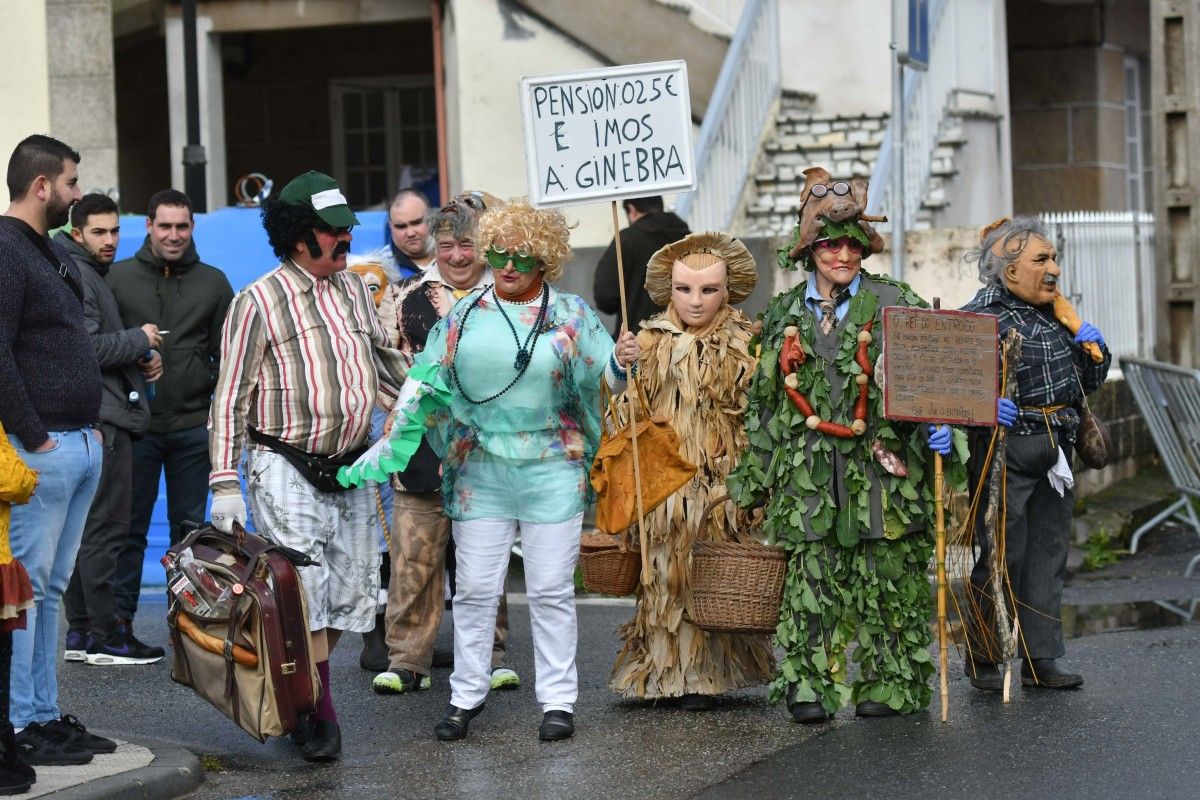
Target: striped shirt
(301, 360)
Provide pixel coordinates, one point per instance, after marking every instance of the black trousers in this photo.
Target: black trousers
(184, 456)
(89, 601)
(1037, 533)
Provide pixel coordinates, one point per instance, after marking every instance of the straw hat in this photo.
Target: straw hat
(700, 250)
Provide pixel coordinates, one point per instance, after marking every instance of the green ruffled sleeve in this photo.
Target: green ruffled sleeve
(425, 392)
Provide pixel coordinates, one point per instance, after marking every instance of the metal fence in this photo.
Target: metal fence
(1169, 399)
(1107, 261)
(744, 96)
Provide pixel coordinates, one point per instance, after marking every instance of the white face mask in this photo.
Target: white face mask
(698, 294)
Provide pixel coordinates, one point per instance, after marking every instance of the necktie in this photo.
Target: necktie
(829, 310)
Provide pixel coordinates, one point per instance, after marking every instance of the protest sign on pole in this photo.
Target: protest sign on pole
(606, 134)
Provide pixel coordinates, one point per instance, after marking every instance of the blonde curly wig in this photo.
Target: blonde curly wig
(544, 232)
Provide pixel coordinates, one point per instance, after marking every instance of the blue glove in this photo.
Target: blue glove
(1006, 412)
(1089, 333)
(940, 439)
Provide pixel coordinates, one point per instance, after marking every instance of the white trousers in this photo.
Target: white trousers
(482, 547)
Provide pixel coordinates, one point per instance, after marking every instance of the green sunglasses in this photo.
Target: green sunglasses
(498, 259)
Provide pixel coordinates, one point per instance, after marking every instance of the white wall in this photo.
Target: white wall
(838, 51)
(24, 76)
(491, 50)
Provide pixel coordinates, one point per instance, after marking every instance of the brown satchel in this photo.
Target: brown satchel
(663, 468)
(255, 666)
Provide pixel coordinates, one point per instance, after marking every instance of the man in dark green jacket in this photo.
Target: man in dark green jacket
(166, 284)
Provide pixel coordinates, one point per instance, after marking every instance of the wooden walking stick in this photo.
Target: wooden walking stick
(939, 516)
(637, 471)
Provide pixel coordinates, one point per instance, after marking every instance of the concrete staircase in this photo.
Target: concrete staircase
(845, 145)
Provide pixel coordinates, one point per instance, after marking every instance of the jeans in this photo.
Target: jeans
(45, 537)
(89, 601)
(184, 455)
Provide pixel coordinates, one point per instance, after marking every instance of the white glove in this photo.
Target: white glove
(226, 508)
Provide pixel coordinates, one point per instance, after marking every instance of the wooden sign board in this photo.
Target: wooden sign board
(940, 366)
(605, 134)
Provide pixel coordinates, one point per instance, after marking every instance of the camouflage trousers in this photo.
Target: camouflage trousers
(417, 587)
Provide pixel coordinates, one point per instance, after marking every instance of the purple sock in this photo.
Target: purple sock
(324, 709)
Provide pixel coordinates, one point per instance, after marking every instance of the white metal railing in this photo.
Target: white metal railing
(961, 57)
(1107, 261)
(742, 100)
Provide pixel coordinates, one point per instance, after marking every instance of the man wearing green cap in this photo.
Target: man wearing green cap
(303, 358)
(842, 485)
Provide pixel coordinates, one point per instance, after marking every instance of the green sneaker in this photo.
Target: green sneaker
(400, 681)
(505, 678)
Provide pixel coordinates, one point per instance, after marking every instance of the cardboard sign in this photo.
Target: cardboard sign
(940, 366)
(608, 133)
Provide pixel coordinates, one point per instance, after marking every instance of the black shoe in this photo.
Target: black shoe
(443, 659)
(325, 743)
(120, 649)
(69, 730)
(303, 730)
(556, 726)
(983, 676)
(869, 708)
(12, 760)
(453, 724)
(12, 783)
(42, 749)
(374, 655)
(125, 628)
(809, 713)
(1045, 673)
(697, 702)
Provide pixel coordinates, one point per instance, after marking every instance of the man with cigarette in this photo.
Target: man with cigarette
(167, 285)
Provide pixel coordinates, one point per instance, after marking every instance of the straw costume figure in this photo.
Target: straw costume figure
(695, 369)
(845, 490)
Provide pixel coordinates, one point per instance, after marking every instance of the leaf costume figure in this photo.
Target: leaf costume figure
(845, 490)
(695, 368)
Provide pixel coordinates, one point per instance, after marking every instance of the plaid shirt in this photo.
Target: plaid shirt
(1052, 365)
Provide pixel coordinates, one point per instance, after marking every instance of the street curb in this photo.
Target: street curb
(174, 772)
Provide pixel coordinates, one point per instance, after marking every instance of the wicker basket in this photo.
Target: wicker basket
(609, 564)
(735, 587)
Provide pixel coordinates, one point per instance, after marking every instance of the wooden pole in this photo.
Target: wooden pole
(633, 402)
(939, 516)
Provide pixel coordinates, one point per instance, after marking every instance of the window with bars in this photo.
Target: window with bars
(1135, 145)
(384, 136)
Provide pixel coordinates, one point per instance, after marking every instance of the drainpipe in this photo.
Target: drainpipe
(194, 159)
(439, 100)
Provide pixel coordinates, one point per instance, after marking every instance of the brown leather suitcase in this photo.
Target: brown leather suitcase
(254, 665)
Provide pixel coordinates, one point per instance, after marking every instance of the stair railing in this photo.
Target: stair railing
(959, 33)
(744, 97)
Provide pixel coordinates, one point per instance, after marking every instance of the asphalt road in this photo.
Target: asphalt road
(1131, 732)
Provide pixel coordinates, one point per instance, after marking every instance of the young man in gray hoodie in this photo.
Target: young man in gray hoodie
(94, 633)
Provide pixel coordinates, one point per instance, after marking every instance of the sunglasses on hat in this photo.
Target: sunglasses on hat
(498, 259)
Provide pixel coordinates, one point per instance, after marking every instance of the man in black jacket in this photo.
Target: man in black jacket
(650, 229)
(165, 283)
(50, 406)
(93, 632)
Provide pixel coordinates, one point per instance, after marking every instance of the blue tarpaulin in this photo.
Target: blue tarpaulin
(233, 240)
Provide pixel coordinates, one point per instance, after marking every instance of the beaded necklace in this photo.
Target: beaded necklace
(524, 352)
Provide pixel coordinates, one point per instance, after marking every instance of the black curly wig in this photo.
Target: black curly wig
(287, 224)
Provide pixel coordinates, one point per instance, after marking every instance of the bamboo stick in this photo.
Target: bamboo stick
(633, 401)
(943, 655)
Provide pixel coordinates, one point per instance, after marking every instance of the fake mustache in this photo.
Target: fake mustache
(1050, 280)
(340, 249)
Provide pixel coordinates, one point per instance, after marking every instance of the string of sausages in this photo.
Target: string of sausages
(791, 356)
